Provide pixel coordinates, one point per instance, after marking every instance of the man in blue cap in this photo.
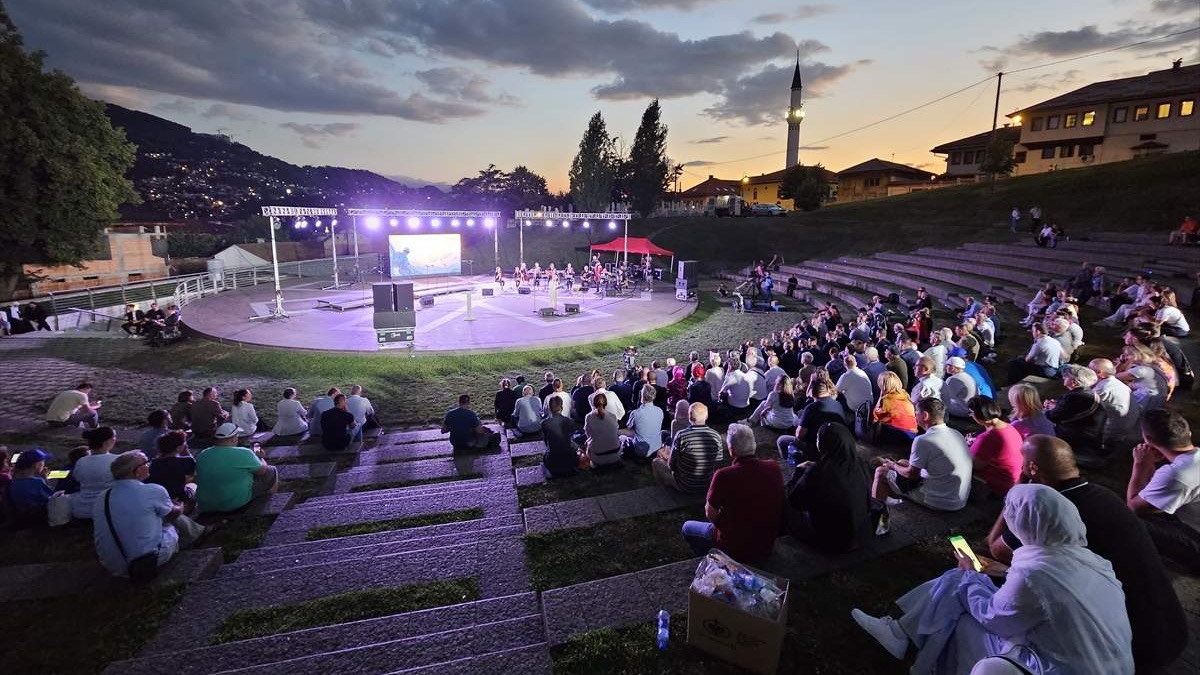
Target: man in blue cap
(28, 493)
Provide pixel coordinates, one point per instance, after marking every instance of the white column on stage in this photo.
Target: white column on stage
(470, 308)
(333, 240)
(354, 223)
(275, 267)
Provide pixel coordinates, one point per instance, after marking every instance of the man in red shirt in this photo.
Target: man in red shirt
(744, 506)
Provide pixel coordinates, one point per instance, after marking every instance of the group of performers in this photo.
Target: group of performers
(600, 278)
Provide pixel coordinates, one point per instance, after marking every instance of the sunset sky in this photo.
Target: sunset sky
(437, 89)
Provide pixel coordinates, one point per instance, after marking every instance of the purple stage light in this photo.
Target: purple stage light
(454, 222)
(436, 222)
(394, 222)
(489, 222)
(586, 225)
(549, 223)
(373, 222)
(528, 223)
(414, 222)
(470, 222)
(566, 223)
(612, 225)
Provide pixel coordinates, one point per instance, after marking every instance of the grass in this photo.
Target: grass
(335, 531)
(585, 484)
(352, 606)
(526, 461)
(567, 557)
(240, 533)
(412, 483)
(69, 543)
(82, 635)
(303, 488)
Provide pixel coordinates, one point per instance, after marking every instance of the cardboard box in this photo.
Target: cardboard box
(736, 636)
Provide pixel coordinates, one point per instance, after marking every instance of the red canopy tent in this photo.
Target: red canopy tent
(629, 245)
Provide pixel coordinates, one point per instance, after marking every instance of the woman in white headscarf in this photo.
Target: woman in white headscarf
(1061, 610)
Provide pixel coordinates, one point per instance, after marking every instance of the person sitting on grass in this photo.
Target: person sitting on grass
(291, 417)
(207, 414)
(958, 388)
(174, 468)
(1028, 412)
(643, 436)
(996, 452)
(1061, 609)
(320, 404)
(828, 502)
(1115, 534)
(823, 408)
(360, 406)
(928, 385)
(689, 463)
(94, 471)
(228, 477)
(600, 430)
(74, 408)
(181, 412)
(528, 412)
(1121, 411)
(244, 415)
(744, 505)
(1168, 498)
(561, 458)
(778, 412)
(158, 424)
(557, 392)
(937, 473)
(339, 429)
(1042, 360)
(1078, 415)
(895, 412)
(28, 493)
(136, 518)
(505, 402)
(467, 433)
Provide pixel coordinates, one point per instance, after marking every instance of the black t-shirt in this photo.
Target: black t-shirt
(580, 399)
(506, 402)
(819, 412)
(335, 428)
(171, 473)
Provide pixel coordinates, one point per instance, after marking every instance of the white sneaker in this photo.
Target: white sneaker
(885, 630)
(892, 501)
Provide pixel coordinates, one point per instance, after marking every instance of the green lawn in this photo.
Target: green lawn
(367, 603)
(335, 531)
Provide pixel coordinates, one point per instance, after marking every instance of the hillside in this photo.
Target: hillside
(1150, 194)
(182, 174)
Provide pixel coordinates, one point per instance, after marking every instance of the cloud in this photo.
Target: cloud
(798, 14)
(699, 162)
(462, 85)
(623, 6)
(227, 111)
(126, 97)
(762, 98)
(314, 135)
(713, 139)
(177, 106)
(254, 52)
(1056, 82)
(1173, 7)
(1090, 38)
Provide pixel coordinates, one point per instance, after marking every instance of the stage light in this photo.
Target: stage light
(414, 222)
(586, 224)
(612, 224)
(373, 222)
(470, 222)
(333, 223)
(454, 222)
(566, 223)
(394, 222)
(549, 223)
(318, 223)
(528, 223)
(489, 222)
(436, 222)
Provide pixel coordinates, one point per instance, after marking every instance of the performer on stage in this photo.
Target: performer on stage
(553, 290)
(500, 278)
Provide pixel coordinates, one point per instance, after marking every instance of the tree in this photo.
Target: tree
(483, 191)
(62, 165)
(998, 157)
(649, 168)
(524, 189)
(805, 186)
(593, 170)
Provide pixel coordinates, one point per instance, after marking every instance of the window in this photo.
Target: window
(1069, 120)
(1052, 122)
(1087, 150)
(1089, 118)
(1019, 156)
(755, 194)
(1066, 151)
(1035, 124)
(1048, 152)
(1120, 115)
(955, 158)
(969, 157)
(1186, 108)
(1163, 111)
(1147, 137)
(873, 182)
(1142, 112)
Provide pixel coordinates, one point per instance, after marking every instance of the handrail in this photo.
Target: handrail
(79, 312)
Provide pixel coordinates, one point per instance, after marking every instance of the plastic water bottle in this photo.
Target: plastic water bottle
(664, 629)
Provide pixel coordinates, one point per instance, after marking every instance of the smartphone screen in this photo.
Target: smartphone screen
(964, 548)
(61, 473)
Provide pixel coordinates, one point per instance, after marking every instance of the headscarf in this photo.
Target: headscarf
(834, 490)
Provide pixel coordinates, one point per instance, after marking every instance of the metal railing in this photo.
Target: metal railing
(209, 283)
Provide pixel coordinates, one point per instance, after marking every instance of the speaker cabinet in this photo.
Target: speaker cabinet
(427, 301)
(687, 270)
(571, 307)
(404, 295)
(388, 320)
(525, 290)
(385, 298)
(489, 292)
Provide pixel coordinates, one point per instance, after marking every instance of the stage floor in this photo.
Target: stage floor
(506, 321)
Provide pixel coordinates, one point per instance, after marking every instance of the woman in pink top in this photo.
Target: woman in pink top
(996, 451)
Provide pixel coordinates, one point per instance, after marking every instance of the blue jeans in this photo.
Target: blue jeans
(699, 535)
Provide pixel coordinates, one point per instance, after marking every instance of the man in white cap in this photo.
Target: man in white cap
(134, 518)
(959, 387)
(229, 477)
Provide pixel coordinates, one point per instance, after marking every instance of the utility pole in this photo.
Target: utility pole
(992, 136)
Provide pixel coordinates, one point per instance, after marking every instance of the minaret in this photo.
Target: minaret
(795, 116)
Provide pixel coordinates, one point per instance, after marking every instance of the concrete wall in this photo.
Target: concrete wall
(132, 260)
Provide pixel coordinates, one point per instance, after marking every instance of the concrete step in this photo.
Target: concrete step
(405, 452)
(960, 283)
(350, 550)
(285, 647)
(487, 466)
(1158, 251)
(818, 273)
(393, 493)
(1067, 261)
(497, 565)
(531, 660)
(466, 528)
(1015, 276)
(948, 294)
(58, 580)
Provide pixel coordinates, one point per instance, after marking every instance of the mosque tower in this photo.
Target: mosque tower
(795, 116)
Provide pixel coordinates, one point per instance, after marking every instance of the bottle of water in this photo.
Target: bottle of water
(664, 629)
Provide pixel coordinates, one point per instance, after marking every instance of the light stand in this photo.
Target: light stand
(275, 213)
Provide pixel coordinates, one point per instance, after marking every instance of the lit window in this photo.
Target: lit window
(1052, 122)
(1140, 113)
(1048, 152)
(1120, 115)
(1163, 111)
(1066, 151)
(1089, 118)
(1186, 108)
(1035, 124)
(1069, 120)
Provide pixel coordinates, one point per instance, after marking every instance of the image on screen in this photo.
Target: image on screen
(424, 255)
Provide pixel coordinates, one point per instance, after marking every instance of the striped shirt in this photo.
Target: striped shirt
(694, 456)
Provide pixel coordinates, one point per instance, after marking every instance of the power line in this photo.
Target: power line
(1104, 51)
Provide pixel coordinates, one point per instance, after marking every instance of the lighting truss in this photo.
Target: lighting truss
(283, 211)
(572, 215)
(421, 213)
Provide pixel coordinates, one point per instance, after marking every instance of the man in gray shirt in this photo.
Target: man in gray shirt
(1043, 359)
(937, 473)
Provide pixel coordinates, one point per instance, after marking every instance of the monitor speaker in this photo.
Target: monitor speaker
(388, 320)
(404, 296)
(488, 292)
(524, 290)
(427, 301)
(385, 299)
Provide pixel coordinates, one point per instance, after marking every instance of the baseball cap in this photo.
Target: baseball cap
(30, 457)
(125, 464)
(956, 362)
(226, 430)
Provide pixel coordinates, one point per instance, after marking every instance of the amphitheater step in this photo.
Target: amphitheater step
(297, 645)
(498, 566)
(532, 660)
(371, 496)
(428, 469)
(57, 580)
(959, 283)
(385, 453)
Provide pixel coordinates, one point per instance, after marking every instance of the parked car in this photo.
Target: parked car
(767, 210)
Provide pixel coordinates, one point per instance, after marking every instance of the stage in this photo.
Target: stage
(506, 321)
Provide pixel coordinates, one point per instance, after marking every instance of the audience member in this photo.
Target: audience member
(1043, 358)
(74, 408)
(828, 497)
(644, 437)
(181, 412)
(958, 388)
(744, 504)
(689, 463)
(823, 408)
(505, 403)
(1140, 369)
(338, 427)
(1168, 498)
(28, 493)
(929, 385)
(467, 433)
(548, 387)
(528, 412)
(207, 414)
(93, 472)
(557, 392)
(1077, 415)
(855, 386)
(996, 452)
(581, 397)
(291, 418)
(894, 412)
(174, 468)
(228, 477)
(360, 406)
(319, 405)
(778, 410)
(1121, 411)
(937, 473)
(615, 407)
(1028, 412)
(600, 428)
(158, 424)
(561, 456)
(243, 415)
(735, 393)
